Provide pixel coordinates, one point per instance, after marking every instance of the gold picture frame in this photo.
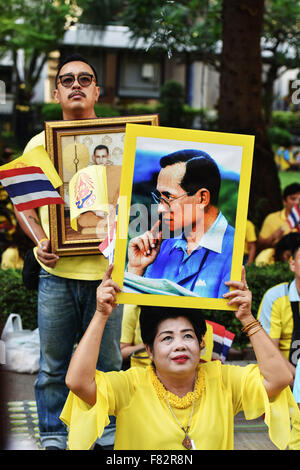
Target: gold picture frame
(71, 146)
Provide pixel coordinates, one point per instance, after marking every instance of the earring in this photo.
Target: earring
(202, 348)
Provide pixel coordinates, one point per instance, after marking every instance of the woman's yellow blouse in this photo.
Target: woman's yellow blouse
(144, 421)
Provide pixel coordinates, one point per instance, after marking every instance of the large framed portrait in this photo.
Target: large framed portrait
(88, 156)
(182, 216)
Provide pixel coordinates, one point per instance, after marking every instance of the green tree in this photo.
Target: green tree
(240, 108)
(280, 45)
(196, 26)
(196, 30)
(30, 30)
(100, 12)
(237, 44)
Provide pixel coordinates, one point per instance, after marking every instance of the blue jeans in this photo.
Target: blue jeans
(65, 309)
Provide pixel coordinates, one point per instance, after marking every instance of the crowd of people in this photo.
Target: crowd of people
(178, 398)
(275, 239)
(287, 158)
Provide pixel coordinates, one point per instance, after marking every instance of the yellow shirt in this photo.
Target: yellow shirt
(281, 162)
(87, 267)
(131, 334)
(11, 259)
(250, 236)
(274, 221)
(276, 316)
(144, 420)
(131, 331)
(265, 257)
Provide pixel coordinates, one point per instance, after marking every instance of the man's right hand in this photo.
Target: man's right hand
(45, 256)
(143, 250)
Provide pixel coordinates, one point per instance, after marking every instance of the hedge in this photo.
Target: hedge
(15, 298)
(288, 120)
(259, 280)
(53, 111)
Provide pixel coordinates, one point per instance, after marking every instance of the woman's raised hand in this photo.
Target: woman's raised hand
(241, 297)
(106, 294)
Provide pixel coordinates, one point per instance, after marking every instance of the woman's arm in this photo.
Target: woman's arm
(276, 374)
(252, 252)
(80, 377)
(128, 348)
(289, 365)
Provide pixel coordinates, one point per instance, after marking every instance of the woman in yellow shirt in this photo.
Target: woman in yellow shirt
(178, 403)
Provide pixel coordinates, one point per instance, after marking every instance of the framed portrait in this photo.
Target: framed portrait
(76, 149)
(182, 216)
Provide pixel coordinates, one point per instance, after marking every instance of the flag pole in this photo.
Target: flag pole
(109, 241)
(29, 227)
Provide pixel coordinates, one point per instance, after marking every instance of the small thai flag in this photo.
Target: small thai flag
(28, 187)
(294, 217)
(228, 339)
(222, 341)
(107, 247)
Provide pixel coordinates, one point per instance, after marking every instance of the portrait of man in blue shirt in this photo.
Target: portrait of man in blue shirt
(197, 254)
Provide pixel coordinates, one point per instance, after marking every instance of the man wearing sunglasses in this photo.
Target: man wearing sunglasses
(192, 242)
(67, 285)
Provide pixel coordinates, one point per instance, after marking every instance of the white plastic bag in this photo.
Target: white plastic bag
(22, 347)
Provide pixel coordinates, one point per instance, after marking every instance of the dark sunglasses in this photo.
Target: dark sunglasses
(84, 79)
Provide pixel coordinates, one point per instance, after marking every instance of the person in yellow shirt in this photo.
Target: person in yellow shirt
(13, 255)
(282, 252)
(132, 347)
(67, 285)
(11, 258)
(275, 225)
(279, 316)
(279, 312)
(178, 404)
(250, 243)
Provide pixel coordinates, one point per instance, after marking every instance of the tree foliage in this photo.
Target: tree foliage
(34, 27)
(100, 12)
(29, 31)
(195, 26)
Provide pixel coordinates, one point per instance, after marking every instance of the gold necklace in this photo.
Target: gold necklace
(187, 442)
(174, 400)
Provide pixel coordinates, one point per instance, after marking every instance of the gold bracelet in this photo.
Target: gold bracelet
(43, 240)
(258, 328)
(249, 325)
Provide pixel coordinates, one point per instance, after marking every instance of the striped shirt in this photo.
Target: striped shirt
(275, 314)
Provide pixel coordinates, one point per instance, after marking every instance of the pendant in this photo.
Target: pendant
(187, 443)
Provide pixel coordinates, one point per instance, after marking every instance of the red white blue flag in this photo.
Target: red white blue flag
(28, 187)
(222, 341)
(294, 217)
(107, 247)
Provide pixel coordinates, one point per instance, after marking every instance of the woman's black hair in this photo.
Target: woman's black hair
(152, 316)
(291, 242)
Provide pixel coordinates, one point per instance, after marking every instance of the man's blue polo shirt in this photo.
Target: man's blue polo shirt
(206, 269)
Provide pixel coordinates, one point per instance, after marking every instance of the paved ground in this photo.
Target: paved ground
(249, 435)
